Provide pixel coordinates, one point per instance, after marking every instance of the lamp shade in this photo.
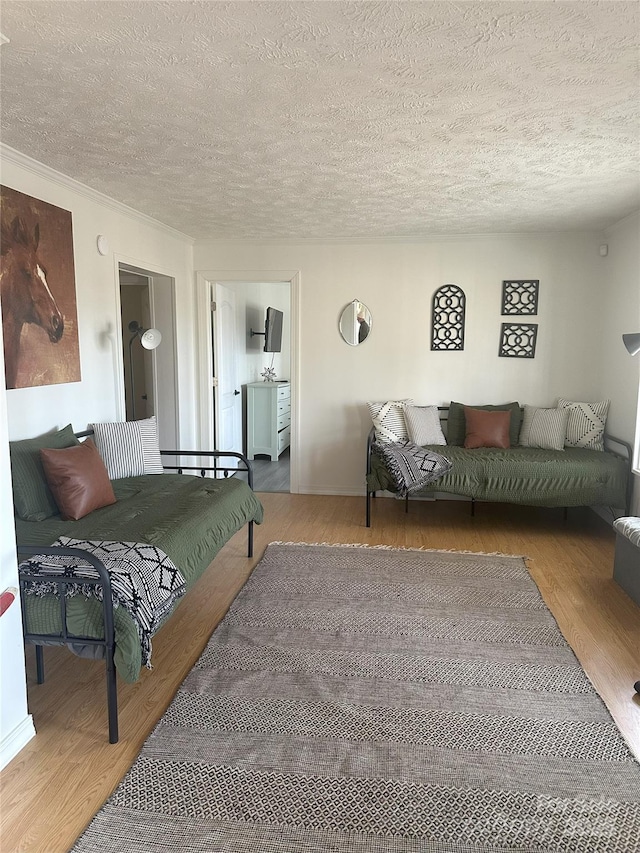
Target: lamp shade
(151, 338)
(632, 343)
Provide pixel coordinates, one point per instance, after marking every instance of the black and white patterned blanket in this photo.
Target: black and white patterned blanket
(143, 580)
(411, 466)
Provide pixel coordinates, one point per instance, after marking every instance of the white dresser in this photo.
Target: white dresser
(268, 418)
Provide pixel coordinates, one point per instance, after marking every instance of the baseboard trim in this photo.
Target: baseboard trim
(329, 490)
(16, 740)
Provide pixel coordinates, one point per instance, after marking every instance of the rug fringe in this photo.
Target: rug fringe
(401, 548)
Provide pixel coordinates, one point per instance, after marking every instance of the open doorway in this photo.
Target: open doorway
(251, 298)
(147, 302)
(137, 361)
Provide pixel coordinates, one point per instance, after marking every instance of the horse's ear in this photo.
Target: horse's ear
(19, 232)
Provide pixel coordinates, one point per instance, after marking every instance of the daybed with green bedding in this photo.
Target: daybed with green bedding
(189, 518)
(571, 476)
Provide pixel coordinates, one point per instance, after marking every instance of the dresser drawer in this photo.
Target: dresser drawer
(284, 420)
(284, 406)
(284, 438)
(284, 392)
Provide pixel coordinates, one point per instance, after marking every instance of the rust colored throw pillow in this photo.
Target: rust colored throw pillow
(486, 429)
(78, 479)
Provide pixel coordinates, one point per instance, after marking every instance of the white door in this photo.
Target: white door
(227, 397)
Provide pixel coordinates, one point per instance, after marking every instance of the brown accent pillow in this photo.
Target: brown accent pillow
(486, 429)
(456, 426)
(78, 479)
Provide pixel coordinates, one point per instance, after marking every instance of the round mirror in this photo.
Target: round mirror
(355, 323)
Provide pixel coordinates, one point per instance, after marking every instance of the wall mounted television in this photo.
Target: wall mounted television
(273, 330)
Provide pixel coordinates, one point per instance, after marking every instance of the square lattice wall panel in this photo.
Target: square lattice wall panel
(520, 296)
(518, 340)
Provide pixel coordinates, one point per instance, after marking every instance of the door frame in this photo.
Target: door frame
(204, 280)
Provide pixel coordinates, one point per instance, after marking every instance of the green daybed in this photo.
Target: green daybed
(574, 476)
(189, 518)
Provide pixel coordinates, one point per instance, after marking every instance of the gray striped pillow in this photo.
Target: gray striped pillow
(423, 425)
(544, 428)
(586, 424)
(129, 449)
(388, 420)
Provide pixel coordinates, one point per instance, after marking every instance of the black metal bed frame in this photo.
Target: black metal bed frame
(444, 414)
(107, 642)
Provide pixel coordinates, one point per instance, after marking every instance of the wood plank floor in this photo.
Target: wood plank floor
(269, 476)
(51, 790)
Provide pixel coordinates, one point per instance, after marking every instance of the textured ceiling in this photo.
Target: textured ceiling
(334, 119)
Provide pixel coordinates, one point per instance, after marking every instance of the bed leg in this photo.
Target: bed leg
(565, 513)
(40, 664)
(406, 503)
(473, 507)
(368, 514)
(250, 540)
(112, 697)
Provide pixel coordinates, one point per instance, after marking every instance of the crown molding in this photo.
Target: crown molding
(16, 158)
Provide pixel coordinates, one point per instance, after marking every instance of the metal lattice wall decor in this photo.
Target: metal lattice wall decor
(520, 297)
(518, 340)
(447, 318)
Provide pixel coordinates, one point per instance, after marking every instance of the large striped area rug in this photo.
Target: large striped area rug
(371, 699)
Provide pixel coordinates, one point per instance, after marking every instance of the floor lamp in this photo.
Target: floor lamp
(150, 339)
(632, 343)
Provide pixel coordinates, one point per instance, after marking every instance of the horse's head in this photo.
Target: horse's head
(25, 291)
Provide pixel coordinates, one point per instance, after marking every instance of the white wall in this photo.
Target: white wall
(396, 279)
(16, 725)
(619, 374)
(620, 313)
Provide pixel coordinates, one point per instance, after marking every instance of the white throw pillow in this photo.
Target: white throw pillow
(423, 425)
(586, 424)
(388, 420)
(544, 428)
(129, 449)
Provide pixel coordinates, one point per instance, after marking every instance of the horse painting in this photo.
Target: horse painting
(26, 297)
(37, 292)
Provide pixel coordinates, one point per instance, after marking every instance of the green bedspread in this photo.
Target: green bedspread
(524, 475)
(189, 518)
